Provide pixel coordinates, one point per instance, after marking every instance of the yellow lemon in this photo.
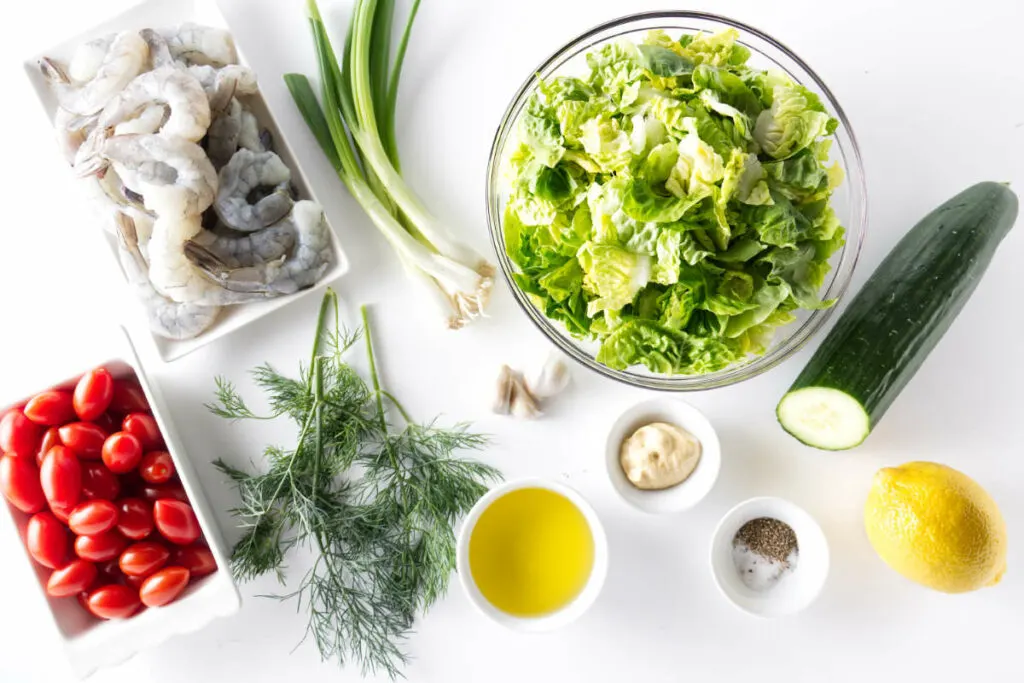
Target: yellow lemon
(936, 526)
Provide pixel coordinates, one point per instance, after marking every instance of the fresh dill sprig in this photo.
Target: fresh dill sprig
(375, 501)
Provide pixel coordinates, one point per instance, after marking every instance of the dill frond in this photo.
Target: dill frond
(376, 504)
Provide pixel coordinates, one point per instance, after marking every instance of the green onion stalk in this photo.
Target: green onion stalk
(359, 97)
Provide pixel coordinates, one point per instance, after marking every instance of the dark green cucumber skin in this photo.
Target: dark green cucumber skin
(911, 299)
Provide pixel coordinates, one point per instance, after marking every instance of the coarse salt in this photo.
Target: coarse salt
(758, 572)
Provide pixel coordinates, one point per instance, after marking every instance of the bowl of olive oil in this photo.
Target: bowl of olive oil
(532, 555)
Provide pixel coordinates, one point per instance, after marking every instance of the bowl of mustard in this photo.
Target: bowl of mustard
(663, 456)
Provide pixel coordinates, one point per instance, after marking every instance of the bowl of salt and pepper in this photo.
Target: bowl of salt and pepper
(769, 557)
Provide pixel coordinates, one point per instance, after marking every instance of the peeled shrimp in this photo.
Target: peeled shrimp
(175, 276)
(123, 61)
(224, 83)
(306, 264)
(222, 138)
(241, 251)
(149, 120)
(87, 59)
(174, 176)
(167, 318)
(159, 52)
(202, 45)
(178, 90)
(248, 171)
(250, 137)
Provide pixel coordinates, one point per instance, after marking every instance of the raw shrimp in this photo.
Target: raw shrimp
(222, 138)
(159, 52)
(178, 90)
(87, 59)
(107, 196)
(124, 60)
(236, 250)
(202, 45)
(306, 264)
(149, 120)
(166, 318)
(174, 276)
(250, 137)
(224, 83)
(248, 171)
(174, 176)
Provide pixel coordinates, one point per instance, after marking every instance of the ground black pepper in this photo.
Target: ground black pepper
(769, 538)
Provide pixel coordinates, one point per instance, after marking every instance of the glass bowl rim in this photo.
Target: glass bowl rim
(843, 272)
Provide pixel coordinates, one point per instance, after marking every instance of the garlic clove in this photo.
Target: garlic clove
(503, 390)
(550, 378)
(524, 405)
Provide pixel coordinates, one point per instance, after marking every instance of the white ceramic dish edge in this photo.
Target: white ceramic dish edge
(685, 494)
(168, 13)
(89, 644)
(570, 612)
(794, 592)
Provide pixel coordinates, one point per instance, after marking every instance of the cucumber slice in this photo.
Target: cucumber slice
(824, 418)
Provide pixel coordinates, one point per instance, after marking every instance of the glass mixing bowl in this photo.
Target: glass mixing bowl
(849, 201)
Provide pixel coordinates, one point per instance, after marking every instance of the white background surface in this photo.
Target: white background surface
(934, 93)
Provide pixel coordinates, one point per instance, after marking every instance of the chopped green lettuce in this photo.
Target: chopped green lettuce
(672, 204)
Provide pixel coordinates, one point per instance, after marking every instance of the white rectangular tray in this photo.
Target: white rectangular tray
(88, 643)
(170, 13)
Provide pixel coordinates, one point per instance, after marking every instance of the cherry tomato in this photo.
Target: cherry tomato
(135, 518)
(121, 452)
(47, 540)
(144, 428)
(93, 394)
(19, 482)
(61, 477)
(50, 408)
(176, 521)
(19, 435)
(61, 512)
(84, 438)
(71, 579)
(92, 517)
(100, 547)
(51, 438)
(107, 422)
(197, 559)
(164, 586)
(156, 467)
(142, 559)
(113, 602)
(134, 581)
(128, 398)
(155, 492)
(99, 483)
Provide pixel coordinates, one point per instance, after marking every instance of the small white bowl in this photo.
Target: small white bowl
(546, 622)
(793, 592)
(685, 494)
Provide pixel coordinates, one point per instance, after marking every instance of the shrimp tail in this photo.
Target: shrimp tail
(89, 159)
(248, 280)
(53, 72)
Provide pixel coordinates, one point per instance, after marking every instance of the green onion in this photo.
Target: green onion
(359, 99)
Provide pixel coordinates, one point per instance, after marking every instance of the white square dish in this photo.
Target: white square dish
(170, 13)
(89, 643)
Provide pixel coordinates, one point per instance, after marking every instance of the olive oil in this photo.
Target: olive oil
(531, 552)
